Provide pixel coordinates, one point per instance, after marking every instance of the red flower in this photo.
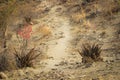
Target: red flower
(25, 32)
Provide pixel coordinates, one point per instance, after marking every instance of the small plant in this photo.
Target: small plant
(25, 59)
(90, 53)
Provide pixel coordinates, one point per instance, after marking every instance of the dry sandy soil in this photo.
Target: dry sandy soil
(69, 24)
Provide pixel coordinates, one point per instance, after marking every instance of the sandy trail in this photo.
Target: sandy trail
(57, 48)
(59, 51)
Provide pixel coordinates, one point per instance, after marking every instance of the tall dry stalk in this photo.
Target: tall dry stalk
(6, 10)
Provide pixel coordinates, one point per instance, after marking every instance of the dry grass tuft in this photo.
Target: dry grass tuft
(90, 53)
(26, 59)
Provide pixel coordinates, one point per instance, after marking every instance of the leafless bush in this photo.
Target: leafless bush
(90, 53)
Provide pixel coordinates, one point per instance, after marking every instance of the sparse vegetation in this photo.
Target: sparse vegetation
(7, 62)
(90, 53)
(36, 51)
(25, 59)
(20, 59)
(23, 56)
(6, 10)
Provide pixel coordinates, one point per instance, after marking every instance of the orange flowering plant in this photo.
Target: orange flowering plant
(25, 32)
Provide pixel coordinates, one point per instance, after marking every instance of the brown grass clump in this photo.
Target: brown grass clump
(90, 53)
(108, 7)
(26, 59)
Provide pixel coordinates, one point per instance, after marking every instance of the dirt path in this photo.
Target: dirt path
(58, 49)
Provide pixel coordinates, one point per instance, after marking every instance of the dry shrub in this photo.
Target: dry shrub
(42, 33)
(6, 10)
(25, 59)
(108, 7)
(79, 17)
(90, 53)
(7, 62)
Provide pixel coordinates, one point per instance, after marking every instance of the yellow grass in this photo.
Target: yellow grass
(79, 16)
(44, 30)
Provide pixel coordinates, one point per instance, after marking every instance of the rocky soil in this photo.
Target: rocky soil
(70, 23)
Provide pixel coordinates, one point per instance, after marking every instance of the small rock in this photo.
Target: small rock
(3, 76)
